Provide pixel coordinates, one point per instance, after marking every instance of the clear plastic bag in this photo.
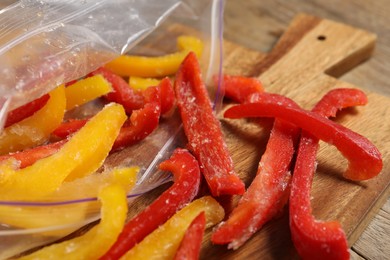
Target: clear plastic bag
(49, 42)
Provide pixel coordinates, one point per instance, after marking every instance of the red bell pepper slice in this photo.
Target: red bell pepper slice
(185, 169)
(239, 88)
(30, 156)
(268, 192)
(142, 122)
(365, 160)
(167, 95)
(191, 243)
(69, 127)
(317, 239)
(20, 113)
(203, 130)
(122, 93)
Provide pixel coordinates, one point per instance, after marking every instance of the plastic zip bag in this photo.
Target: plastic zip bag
(45, 43)
(49, 42)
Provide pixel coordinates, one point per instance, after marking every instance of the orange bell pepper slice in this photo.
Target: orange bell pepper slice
(155, 67)
(36, 129)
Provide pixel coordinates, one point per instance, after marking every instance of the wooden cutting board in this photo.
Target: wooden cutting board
(303, 65)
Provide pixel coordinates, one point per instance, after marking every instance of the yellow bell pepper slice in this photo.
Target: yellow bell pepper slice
(35, 129)
(82, 155)
(100, 238)
(86, 90)
(155, 67)
(164, 241)
(142, 83)
(89, 186)
(56, 215)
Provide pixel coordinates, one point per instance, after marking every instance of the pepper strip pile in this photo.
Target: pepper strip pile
(186, 173)
(164, 241)
(203, 130)
(80, 156)
(268, 192)
(36, 129)
(316, 239)
(365, 160)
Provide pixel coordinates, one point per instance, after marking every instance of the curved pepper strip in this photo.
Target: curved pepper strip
(316, 239)
(122, 93)
(239, 88)
(186, 173)
(203, 130)
(164, 241)
(36, 129)
(155, 67)
(83, 154)
(365, 160)
(192, 241)
(20, 113)
(96, 241)
(142, 122)
(86, 90)
(268, 192)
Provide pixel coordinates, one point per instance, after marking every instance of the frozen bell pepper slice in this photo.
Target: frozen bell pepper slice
(36, 129)
(268, 192)
(86, 90)
(191, 243)
(26, 110)
(96, 241)
(186, 173)
(239, 88)
(69, 127)
(165, 240)
(142, 122)
(203, 130)
(167, 96)
(365, 160)
(154, 67)
(315, 239)
(28, 157)
(122, 93)
(142, 83)
(83, 154)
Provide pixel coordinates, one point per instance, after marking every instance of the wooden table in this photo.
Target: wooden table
(258, 24)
